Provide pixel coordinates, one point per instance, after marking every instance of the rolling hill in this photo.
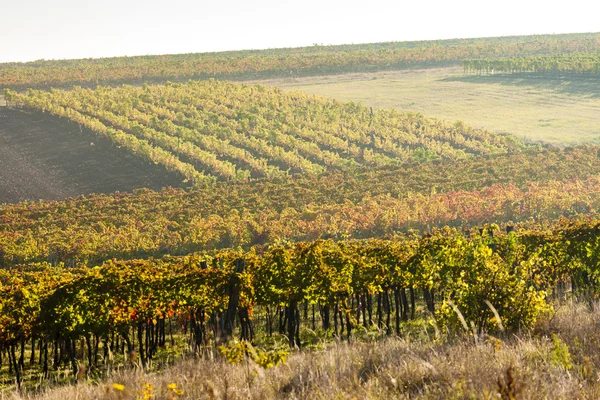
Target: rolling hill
(207, 131)
(290, 62)
(285, 202)
(563, 110)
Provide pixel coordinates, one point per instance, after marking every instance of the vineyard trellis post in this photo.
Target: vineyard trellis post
(234, 298)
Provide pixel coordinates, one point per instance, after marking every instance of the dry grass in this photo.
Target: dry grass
(552, 110)
(528, 366)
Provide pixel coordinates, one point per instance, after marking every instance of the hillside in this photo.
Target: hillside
(220, 130)
(42, 157)
(525, 187)
(292, 62)
(551, 109)
(205, 223)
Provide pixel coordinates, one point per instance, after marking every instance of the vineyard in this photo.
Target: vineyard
(219, 130)
(128, 311)
(316, 60)
(579, 63)
(296, 221)
(89, 230)
(94, 284)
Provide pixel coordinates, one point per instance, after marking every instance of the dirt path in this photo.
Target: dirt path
(42, 157)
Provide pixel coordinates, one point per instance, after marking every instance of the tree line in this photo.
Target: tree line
(314, 60)
(578, 64)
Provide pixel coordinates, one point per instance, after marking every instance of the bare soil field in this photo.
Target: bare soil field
(42, 157)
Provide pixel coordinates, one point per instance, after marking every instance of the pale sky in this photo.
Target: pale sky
(57, 29)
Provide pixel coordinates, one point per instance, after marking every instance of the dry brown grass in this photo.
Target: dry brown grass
(527, 366)
(556, 111)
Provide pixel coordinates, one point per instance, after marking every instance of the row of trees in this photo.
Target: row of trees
(584, 63)
(126, 311)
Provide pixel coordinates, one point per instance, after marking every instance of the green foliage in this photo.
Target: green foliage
(237, 351)
(587, 63)
(481, 282)
(479, 285)
(87, 231)
(227, 131)
(559, 354)
(493, 283)
(8, 95)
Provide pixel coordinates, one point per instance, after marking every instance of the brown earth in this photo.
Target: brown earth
(44, 157)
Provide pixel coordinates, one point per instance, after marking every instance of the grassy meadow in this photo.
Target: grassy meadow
(557, 111)
(558, 360)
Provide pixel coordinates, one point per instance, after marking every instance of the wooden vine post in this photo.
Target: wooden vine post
(233, 307)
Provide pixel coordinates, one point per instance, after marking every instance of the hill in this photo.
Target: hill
(529, 186)
(300, 209)
(218, 130)
(548, 108)
(305, 61)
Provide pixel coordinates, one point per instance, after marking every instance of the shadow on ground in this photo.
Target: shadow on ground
(581, 86)
(44, 157)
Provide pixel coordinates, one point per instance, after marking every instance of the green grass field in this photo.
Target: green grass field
(556, 111)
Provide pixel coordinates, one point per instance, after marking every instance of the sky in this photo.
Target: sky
(59, 29)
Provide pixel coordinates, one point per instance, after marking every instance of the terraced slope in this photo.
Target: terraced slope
(219, 130)
(42, 157)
